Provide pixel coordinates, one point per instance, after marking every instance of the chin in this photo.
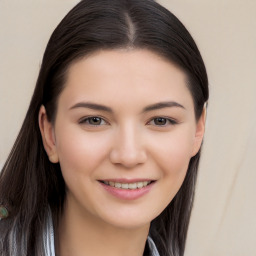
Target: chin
(130, 220)
(129, 223)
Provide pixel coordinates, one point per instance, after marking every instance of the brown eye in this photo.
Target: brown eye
(94, 121)
(160, 121)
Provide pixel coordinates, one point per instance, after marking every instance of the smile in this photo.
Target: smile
(131, 186)
(127, 189)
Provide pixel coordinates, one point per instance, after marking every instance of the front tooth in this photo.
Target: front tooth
(140, 184)
(132, 185)
(118, 185)
(135, 185)
(125, 186)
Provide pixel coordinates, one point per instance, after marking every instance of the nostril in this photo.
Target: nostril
(128, 158)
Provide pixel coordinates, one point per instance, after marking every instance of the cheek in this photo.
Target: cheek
(80, 152)
(173, 153)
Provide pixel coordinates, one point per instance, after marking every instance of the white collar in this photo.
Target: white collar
(152, 247)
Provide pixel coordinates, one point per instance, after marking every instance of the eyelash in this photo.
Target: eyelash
(88, 119)
(166, 121)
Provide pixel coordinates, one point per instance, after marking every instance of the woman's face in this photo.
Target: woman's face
(124, 134)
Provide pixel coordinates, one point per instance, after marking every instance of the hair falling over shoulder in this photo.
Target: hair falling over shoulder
(30, 184)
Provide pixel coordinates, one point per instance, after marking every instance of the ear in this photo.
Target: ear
(199, 135)
(47, 132)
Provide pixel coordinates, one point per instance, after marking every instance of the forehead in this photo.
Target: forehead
(125, 75)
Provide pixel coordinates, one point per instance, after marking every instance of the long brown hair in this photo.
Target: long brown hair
(30, 184)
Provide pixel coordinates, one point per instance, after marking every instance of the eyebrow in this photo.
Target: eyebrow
(93, 106)
(152, 107)
(161, 105)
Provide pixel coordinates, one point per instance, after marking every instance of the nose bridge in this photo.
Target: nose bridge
(128, 149)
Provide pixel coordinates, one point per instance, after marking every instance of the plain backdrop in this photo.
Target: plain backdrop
(223, 220)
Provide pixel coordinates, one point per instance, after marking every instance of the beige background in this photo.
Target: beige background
(223, 221)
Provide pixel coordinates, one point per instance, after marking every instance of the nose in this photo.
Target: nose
(128, 149)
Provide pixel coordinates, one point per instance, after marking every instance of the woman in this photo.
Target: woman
(106, 160)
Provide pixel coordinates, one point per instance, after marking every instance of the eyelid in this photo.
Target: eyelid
(84, 120)
(171, 121)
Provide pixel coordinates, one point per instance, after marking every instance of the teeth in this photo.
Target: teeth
(117, 185)
(140, 184)
(134, 185)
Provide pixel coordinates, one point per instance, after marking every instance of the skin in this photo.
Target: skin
(126, 142)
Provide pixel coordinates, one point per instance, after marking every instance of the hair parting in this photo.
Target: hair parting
(30, 185)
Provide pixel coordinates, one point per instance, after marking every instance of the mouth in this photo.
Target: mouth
(125, 189)
(127, 185)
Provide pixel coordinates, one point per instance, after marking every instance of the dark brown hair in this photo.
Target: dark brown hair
(30, 184)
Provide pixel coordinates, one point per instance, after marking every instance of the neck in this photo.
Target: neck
(84, 234)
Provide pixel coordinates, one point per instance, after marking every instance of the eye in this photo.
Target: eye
(93, 120)
(162, 121)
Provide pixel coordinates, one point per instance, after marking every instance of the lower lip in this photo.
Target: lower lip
(128, 194)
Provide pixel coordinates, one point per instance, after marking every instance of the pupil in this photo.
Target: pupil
(95, 120)
(160, 121)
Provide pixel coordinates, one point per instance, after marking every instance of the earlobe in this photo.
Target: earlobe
(47, 133)
(199, 135)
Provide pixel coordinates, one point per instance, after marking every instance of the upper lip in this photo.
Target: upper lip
(127, 180)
